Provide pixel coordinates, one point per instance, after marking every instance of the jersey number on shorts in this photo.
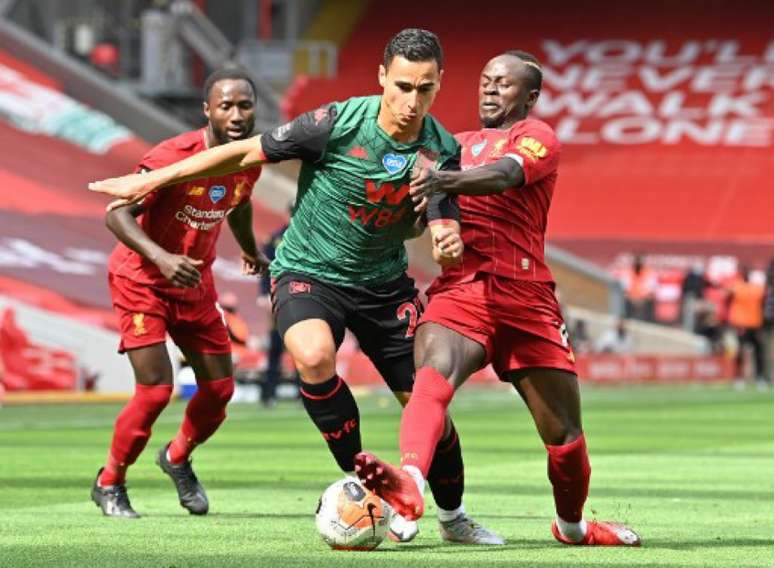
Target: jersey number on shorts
(412, 311)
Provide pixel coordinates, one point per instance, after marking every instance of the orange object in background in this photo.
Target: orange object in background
(746, 310)
(30, 366)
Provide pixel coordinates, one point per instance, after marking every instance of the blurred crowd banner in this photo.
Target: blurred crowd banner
(358, 370)
(608, 368)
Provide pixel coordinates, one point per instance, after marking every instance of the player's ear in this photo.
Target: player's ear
(382, 76)
(206, 109)
(532, 99)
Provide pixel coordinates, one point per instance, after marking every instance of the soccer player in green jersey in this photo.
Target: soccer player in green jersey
(342, 262)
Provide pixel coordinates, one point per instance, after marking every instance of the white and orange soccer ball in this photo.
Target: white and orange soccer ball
(350, 517)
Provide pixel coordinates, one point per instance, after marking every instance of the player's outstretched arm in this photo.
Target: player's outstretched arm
(484, 180)
(220, 160)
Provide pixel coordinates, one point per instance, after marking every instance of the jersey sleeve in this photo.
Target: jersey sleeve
(444, 206)
(157, 157)
(452, 163)
(304, 138)
(537, 152)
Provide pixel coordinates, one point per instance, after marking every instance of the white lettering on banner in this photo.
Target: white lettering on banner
(647, 129)
(22, 253)
(620, 91)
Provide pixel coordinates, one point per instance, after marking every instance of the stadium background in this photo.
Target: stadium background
(666, 112)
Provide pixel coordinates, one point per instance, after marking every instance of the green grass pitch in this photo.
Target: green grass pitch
(690, 468)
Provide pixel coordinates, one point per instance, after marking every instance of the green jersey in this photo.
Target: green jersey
(353, 211)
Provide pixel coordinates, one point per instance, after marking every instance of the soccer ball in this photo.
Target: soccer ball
(350, 517)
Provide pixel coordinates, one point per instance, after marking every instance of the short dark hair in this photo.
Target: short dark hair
(534, 68)
(227, 72)
(415, 45)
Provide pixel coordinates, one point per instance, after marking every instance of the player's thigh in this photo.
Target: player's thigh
(151, 364)
(311, 344)
(384, 321)
(449, 352)
(553, 399)
(297, 298)
(199, 330)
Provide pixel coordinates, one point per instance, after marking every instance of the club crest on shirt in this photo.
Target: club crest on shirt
(238, 192)
(358, 152)
(497, 149)
(138, 321)
(476, 149)
(217, 192)
(394, 163)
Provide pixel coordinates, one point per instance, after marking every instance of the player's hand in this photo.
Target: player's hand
(447, 246)
(180, 270)
(253, 265)
(129, 188)
(424, 182)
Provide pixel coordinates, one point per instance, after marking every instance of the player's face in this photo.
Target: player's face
(409, 90)
(504, 96)
(230, 110)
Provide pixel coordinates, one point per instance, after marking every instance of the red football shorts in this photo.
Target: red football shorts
(146, 316)
(518, 322)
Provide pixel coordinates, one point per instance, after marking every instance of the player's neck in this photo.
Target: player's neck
(511, 120)
(404, 134)
(210, 140)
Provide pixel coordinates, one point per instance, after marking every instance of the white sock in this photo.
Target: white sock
(419, 479)
(351, 474)
(571, 531)
(445, 515)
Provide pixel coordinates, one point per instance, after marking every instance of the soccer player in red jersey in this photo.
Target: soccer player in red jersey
(498, 306)
(161, 281)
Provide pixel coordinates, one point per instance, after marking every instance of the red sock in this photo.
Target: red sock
(569, 471)
(133, 429)
(205, 412)
(421, 426)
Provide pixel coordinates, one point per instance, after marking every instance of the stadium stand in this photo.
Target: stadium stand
(667, 101)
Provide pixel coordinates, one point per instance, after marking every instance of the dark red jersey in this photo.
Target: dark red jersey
(183, 219)
(505, 234)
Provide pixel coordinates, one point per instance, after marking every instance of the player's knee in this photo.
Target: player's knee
(315, 363)
(565, 434)
(153, 378)
(219, 392)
